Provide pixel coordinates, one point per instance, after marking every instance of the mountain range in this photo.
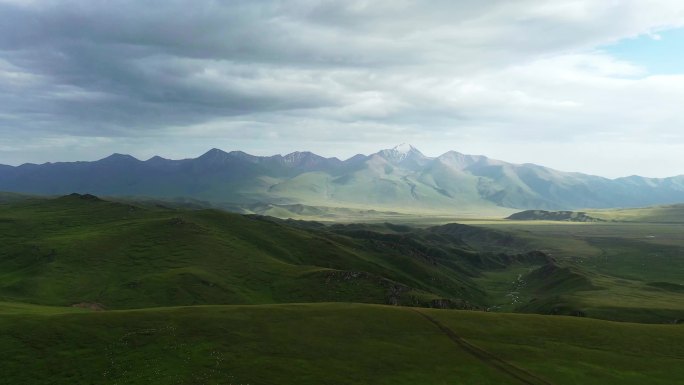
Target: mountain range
(400, 179)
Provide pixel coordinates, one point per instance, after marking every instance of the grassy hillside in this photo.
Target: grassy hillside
(332, 344)
(80, 249)
(634, 269)
(84, 251)
(138, 261)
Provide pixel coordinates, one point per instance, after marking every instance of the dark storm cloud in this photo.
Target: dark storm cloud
(119, 67)
(124, 65)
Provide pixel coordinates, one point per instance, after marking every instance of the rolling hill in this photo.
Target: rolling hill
(543, 215)
(399, 179)
(100, 291)
(80, 249)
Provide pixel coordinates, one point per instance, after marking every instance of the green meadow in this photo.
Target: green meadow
(332, 344)
(117, 292)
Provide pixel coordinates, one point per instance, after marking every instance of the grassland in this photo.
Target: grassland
(656, 214)
(331, 344)
(635, 268)
(200, 296)
(84, 250)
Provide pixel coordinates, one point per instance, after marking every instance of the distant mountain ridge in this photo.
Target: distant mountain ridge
(401, 178)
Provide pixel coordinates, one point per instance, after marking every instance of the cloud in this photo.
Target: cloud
(261, 75)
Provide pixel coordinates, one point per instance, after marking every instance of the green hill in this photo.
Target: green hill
(82, 249)
(331, 344)
(98, 291)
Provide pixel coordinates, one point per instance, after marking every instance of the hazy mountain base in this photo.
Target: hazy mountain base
(656, 214)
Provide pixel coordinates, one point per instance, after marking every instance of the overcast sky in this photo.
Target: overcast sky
(592, 86)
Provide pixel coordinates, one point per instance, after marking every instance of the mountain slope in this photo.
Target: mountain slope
(399, 179)
(82, 249)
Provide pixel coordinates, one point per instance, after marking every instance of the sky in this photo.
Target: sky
(589, 86)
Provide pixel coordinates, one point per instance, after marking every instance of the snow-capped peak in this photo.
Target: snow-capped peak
(401, 152)
(403, 148)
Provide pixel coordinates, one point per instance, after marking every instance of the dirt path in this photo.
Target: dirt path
(486, 357)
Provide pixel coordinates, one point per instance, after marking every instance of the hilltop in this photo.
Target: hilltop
(543, 215)
(80, 249)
